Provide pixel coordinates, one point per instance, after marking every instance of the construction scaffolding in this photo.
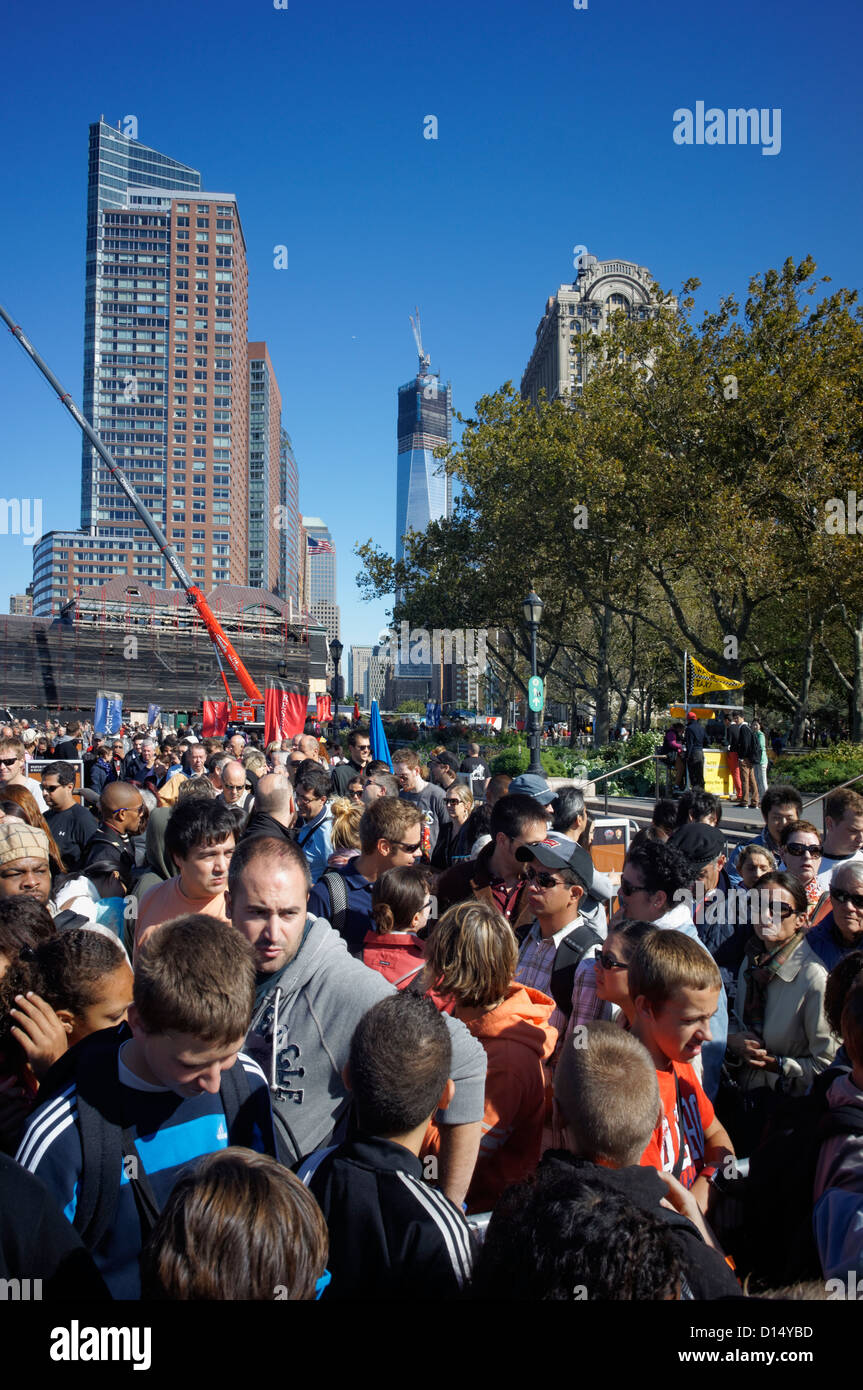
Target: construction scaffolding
(151, 645)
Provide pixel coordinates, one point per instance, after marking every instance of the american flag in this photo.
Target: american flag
(318, 546)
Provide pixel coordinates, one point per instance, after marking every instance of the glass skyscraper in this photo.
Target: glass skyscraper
(423, 489)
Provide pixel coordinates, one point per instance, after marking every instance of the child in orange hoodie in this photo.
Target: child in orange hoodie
(472, 955)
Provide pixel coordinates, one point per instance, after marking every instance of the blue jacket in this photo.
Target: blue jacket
(315, 839)
(827, 943)
(358, 919)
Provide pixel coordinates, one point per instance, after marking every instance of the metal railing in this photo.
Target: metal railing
(648, 757)
(841, 786)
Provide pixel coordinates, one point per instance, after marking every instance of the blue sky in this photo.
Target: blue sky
(554, 129)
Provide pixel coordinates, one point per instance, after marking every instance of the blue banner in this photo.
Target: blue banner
(153, 712)
(377, 737)
(109, 713)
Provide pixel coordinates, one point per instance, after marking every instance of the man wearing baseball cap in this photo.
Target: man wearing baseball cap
(717, 915)
(560, 875)
(531, 784)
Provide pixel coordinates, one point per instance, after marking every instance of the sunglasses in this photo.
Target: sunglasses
(50, 786)
(9, 762)
(798, 850)
(841, 895)
(408, 849)
(609, 963)
(545, 880)
(629, 888)
(454, 801)
(784, 909)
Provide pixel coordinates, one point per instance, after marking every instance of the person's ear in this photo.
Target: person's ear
(643, 1007)
(384, 848)
(67, 1019)
(133, 1018)
(446, 1095)
(228, 909)
(723, 860)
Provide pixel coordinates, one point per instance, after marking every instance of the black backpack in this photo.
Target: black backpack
(107, 1144)
(777, 1242)
(568, 957)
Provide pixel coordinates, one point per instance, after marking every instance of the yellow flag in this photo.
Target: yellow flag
(701, 680)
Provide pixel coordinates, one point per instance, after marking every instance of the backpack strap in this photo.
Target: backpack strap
(338, 894)
(568, 957)
(236, 1097)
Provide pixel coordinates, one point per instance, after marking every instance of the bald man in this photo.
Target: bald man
(274, 810)
(120, 806)
(233, 791)
(309, 747)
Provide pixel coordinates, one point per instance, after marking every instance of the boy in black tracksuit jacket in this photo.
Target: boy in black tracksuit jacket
(392, 1234)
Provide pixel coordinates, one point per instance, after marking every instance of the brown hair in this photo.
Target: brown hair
(792, 828)
(397, 896)
(842, 800)
(200, 787)
(346, 816)
(13, 745)
(408, 757)
(388, 818)
(23, 797)
(472, 954)
(196, 975)
(608, 1094)
(239, 1227)
(667, 961)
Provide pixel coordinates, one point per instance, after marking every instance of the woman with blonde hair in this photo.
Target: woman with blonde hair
(346, 816)
(471, 956)
(454, 844)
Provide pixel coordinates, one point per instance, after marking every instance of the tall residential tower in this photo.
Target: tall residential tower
(167, 380)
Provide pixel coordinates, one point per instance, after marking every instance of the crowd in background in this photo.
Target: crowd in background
(285, 1017)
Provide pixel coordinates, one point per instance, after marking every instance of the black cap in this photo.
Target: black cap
(699, 842)
(446, 760)
(558, 852)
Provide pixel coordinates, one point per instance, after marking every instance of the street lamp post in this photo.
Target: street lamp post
(532, 609)
(336, 649)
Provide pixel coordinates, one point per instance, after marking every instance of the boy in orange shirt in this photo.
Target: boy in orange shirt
(675, 985)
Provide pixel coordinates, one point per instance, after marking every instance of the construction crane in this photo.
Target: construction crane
(425, 359)
(194, 595)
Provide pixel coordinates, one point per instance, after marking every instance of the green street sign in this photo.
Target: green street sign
(535, 694)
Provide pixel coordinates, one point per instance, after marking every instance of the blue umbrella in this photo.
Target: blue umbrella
(377, 737)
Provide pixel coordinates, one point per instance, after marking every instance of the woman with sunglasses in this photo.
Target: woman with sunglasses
(801, 856)
(453, 844)
(783, 1039)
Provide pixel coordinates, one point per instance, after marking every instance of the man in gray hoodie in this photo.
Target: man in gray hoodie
(310, 997)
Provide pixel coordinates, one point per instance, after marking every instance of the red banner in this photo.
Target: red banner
(284, 711)
(325, 708)
(215, 718)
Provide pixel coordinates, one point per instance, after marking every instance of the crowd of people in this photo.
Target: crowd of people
(288, 1022)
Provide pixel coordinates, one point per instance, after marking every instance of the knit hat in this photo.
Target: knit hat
(21, 841)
